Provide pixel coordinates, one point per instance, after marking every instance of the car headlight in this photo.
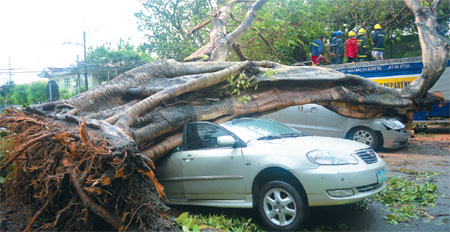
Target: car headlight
(324, 157)
(392, 123)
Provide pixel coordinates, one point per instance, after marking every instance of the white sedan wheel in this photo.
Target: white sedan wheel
(279, 207)
(282, 207)
(367, 136)
(363, 136)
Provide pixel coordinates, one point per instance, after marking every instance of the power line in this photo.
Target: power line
(91, 68)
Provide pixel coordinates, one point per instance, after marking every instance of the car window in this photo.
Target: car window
(203, 135)
(260, 128)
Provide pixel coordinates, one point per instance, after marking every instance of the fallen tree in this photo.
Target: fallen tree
(87, 162)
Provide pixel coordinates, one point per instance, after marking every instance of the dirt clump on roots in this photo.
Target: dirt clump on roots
(67, 176)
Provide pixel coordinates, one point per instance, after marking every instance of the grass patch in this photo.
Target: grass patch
(195, 223)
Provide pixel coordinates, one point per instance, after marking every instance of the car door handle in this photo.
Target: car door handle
(188, 158)
(313, 109)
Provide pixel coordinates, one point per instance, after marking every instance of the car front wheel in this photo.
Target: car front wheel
(365, 135)
(281, 206)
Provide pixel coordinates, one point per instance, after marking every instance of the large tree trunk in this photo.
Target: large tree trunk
(220, 41)
(76, 162)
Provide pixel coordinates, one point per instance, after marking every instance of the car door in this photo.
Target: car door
(211, 171)
(325, 122)
(170, 174)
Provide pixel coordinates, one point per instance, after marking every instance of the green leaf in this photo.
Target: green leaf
(195, 229)
(182, 218)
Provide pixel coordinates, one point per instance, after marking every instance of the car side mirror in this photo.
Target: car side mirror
(225, 141)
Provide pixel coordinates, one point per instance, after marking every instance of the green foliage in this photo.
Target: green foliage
(362, 205)
(37, 92)
(168, 23)
(407, 201)
(241, 83)
(20, 95)
(106, 62)
(65, 94)
(6, 92)
(283, 29)
(27, 94)
(221, 222)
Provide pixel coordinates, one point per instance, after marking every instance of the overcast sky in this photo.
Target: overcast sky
(33, 32)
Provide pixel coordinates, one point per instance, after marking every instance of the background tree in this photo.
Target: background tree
(37, 92)
(168, 24)
(25, 94)
(283, 29)
(107, 62)
(20, 95)
(5, 92)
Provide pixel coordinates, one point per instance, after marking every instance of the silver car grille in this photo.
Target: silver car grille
(369, 187)
(368, 155)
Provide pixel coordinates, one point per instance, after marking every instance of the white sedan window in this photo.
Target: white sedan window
(203, 135)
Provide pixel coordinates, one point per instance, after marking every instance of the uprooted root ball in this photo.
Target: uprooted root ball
(66, 176)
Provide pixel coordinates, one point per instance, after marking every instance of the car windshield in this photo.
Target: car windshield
(261, 129)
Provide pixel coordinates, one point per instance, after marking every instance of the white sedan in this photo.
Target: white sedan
(263, 164)
(317, 120)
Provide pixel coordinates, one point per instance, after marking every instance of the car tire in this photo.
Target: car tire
(365, 135)
(281, 206)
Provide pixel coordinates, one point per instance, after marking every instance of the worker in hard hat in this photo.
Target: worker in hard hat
(362, 45)
(378, 42)
(351, 48)
(333, 47)
(316, 49)
(339, 50)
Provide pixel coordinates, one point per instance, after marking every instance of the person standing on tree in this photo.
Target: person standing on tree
(339, 50)
(316, 49)
(351, 48)
(362, 45)
(378, 42)
(333, 47)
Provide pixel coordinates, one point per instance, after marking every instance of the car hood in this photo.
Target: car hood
(309, 143)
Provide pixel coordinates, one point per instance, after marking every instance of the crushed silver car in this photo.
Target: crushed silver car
(318, 120)
(263, 164)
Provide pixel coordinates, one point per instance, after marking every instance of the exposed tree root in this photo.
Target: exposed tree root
(77, 179)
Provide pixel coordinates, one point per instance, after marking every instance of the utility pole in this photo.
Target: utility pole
(8, 86)
(85, 62)
(9, 70)
(78, 74)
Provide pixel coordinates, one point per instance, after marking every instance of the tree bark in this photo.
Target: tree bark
(220, 42)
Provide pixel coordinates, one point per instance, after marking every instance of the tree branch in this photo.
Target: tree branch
(435, 6)
(200, 26)
(389, 24)
(238, 51)
(247, 23)
(434, 51)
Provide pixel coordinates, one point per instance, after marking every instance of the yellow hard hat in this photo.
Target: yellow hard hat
(361, 31)
(351, 33)
(377, 26)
